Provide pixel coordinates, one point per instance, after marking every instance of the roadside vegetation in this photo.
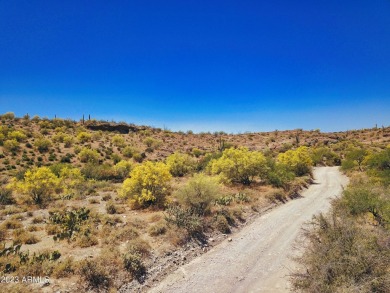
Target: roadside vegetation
(348, 250)
(93, 203)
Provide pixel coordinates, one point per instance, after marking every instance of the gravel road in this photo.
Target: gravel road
(258, 259)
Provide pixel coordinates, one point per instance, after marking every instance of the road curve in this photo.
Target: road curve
(258, 257)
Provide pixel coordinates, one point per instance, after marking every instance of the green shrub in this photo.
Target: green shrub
(197, 152)
(354, 158)
(129, 151)
(325, 156)
(185, 219)
(116, 158)
(364, 197)
(118, 140)
(222, 224)
(199, 193)
(133, 263)
(279, 175)
(68, 141)
(123, 168)
(150, 142)
(42, 144)
(8, 116)
(378, 165)
(11, 145)
(69, 221)
(204, 161)
(6, 197)
(342, 257)
(180, 164)
(99, 172)
(224, 200)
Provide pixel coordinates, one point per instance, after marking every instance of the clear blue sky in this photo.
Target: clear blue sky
(202, 65)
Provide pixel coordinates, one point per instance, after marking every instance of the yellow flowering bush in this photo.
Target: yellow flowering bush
(299, 160)
(38, 183)
(148, 184)
(239, 165)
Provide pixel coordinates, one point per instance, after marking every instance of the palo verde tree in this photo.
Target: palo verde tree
(87, 155)
(378, 165)
(299, 160)
(239, 165)
(148, 184)
(39, 184)
(71, 180)
(354, 158)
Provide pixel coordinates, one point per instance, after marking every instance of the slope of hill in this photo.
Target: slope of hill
(85, 204)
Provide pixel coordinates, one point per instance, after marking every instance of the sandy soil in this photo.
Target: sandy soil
(258, 258)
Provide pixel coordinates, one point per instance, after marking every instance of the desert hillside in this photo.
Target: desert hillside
(40, 141)
(97, 205)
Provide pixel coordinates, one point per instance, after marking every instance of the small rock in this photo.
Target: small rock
(211, 240)
(230, 239)
(183, 257)
(204, 249)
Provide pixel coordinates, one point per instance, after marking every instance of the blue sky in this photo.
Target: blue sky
(203, 65)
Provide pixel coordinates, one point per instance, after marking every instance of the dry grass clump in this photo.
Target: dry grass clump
(105, 272)
(65, 268)
(157, 229)
(21, 236)
(38, 220)
(86, 240)
(118, 235)
(3, 235)
(11, 224)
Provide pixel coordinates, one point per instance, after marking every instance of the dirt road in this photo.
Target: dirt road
(258, 257)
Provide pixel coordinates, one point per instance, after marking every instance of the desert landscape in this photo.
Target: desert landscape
(105, 206)
(195, 146)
